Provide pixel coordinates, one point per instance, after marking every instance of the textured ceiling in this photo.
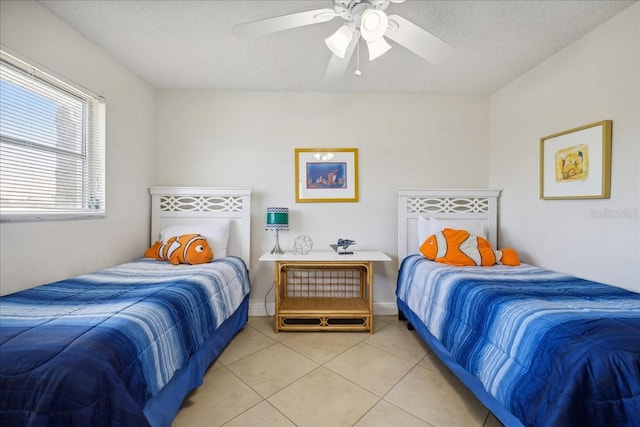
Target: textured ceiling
(190, 45)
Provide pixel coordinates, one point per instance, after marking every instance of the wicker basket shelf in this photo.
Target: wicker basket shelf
(346, 314)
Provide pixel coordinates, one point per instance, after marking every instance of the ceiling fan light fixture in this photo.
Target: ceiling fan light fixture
(373, 24)
(339, 41)
(377, 48)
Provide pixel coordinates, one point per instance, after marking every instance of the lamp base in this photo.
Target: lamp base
(277, 249)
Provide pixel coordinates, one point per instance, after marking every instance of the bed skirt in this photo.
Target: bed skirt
(474, 385)
(164, 406)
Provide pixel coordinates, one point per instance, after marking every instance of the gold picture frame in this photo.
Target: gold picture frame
(326, 175)
(576, 164)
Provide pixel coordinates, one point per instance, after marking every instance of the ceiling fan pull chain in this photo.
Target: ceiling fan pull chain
(358, 72)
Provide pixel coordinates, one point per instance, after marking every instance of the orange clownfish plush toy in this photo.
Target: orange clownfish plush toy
(185, 249)
(458, 247)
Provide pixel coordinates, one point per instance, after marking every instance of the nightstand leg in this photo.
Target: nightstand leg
(276, 293)
(370, 285)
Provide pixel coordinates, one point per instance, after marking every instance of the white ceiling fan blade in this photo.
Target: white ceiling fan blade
(337, 66)
(285, 22)
(417, 40)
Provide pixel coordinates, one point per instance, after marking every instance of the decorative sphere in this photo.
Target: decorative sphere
(302, 245)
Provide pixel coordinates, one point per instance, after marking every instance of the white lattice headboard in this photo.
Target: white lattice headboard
(190, 205)
(457, 204)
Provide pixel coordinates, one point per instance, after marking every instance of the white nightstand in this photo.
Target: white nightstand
(323, 290)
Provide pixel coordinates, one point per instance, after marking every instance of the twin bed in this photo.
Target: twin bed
(538, 348)
(123, 346)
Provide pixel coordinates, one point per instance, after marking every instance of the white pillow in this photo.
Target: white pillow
(216, 232)
(428, 226)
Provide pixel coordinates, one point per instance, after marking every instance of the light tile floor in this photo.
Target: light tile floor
(329, 379)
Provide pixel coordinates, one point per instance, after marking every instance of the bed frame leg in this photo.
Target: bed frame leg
(402, 317)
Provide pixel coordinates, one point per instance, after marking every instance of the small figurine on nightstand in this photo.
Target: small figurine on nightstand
(342, 246)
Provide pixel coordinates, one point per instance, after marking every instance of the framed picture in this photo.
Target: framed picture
(326, 174)
(576, 164)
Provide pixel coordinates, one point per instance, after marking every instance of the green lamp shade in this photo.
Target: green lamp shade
(277, 219)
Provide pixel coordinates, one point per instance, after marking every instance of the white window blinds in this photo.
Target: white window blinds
(52, 146)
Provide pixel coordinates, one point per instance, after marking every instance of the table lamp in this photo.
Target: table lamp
(277, 219)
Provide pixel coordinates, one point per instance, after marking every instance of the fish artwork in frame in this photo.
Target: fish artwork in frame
(326, 175)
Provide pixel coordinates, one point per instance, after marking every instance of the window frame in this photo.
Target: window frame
(87, 161)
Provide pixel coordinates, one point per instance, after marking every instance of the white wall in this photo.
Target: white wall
(248, 139)
(594, 79)
(35, 253)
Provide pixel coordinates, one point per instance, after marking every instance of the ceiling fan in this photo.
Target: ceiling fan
(364, 19)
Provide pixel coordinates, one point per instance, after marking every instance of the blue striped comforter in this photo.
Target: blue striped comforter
(95, 348)
(553, 349)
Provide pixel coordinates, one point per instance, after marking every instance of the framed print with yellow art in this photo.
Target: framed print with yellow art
(576, 164)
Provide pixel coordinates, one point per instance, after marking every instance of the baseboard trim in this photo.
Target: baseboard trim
(379, 309)
(260, 309)
(385, 309)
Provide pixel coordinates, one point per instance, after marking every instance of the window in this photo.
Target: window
(52, 146)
